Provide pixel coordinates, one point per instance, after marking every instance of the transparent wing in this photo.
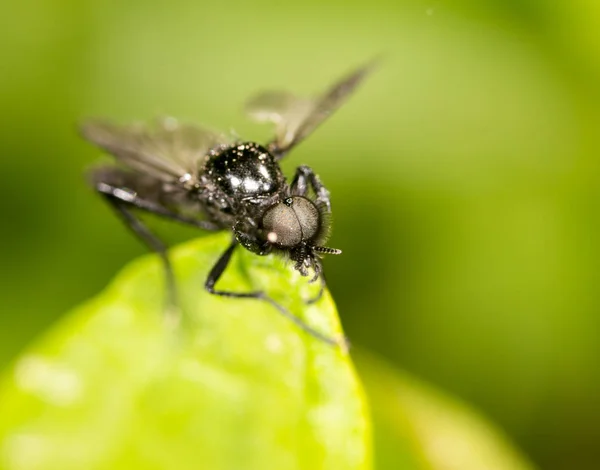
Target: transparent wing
(283, 109)
(142, 186)
(295, 117)
(164, 149)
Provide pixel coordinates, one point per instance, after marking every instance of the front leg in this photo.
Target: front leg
(251, 243)
(304, 177)
(217, 271)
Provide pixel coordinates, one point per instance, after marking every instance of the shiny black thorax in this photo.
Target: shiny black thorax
(238, 183)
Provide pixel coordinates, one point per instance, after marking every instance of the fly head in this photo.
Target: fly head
(298, 226)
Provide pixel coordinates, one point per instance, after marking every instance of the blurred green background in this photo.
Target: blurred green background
(464, 176)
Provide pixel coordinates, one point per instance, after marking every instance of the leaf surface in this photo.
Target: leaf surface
(234, 386)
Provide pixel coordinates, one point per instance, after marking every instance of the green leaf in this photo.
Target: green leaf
(234, 386)
(419, 428)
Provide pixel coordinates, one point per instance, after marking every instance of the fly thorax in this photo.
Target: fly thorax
(243, 171)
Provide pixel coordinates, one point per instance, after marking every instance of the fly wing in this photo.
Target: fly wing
(144, 191)
(283, 109)
(141, 185)
(295, 117)
(163, 149)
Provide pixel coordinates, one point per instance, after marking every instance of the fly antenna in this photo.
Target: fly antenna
(326, 250)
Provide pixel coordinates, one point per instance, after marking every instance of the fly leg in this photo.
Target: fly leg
(304, 177)
(123, 201)
(218, 269)
(322, 287)
(130, 198)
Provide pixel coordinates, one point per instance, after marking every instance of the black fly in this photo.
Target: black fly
(202, 178)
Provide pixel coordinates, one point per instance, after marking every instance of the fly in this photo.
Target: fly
(202, 178)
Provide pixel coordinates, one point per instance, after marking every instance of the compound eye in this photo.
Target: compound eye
(281, 225)
(308, 217)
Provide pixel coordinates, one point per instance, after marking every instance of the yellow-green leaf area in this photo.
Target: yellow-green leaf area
(234, 386)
